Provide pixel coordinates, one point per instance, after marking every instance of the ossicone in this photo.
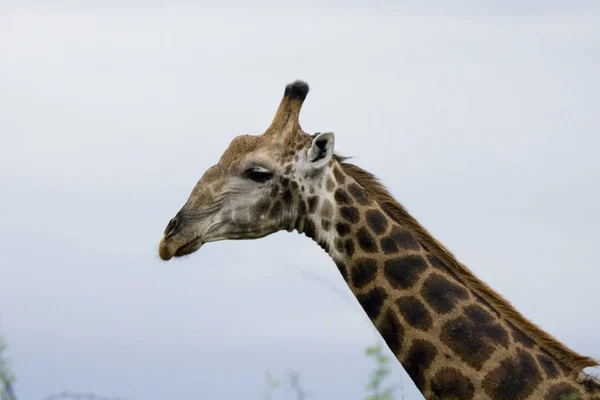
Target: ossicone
(286, 121)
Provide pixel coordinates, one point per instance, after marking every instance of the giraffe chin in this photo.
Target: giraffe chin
(189, 248)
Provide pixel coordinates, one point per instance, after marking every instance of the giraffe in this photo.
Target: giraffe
(454, 335)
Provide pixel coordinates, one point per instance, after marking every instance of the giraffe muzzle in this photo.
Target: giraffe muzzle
(170, 247)
(172, 226)
(176, 242)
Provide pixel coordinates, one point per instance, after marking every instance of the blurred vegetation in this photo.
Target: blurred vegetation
(377, 386)
(376, 383)
(291, 384)
(6, 377)
(286, 387)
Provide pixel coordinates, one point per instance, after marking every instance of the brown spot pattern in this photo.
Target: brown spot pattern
(359, 194)
(473, 338)
(450, 384)
(487, 325)
(327, 209)
(563, 391)
(350, 214)
(442, 294)
(329, 184)
(376, 221)
(548, 366)
(342, 229)
(403, 272)
(341, 197)
(515, 378)
(366, 241)
(339, 176)
(372, 302)
(414, 313)
(364, 271)
(404, 238)
(342, 268)
(349, 246)
(312, 204)
(520, 337)
(419, 357)
(391, 331)
(388, 245)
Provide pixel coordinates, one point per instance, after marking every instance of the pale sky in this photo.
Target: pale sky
(482, 120)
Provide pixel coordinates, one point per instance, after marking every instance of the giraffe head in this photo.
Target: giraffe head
(259, 185)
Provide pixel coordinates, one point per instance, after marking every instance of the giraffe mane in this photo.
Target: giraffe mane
(398, 213)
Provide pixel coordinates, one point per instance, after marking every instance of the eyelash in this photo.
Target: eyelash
(258, 175)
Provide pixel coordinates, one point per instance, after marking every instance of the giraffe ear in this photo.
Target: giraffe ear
(321, 150)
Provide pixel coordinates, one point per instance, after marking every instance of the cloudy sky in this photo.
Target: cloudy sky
(482, 120)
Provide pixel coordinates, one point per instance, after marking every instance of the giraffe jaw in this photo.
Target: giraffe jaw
(178, 246)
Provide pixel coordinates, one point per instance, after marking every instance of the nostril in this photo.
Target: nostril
(172, 226)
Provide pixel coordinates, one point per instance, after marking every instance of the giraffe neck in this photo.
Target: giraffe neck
(452, 342)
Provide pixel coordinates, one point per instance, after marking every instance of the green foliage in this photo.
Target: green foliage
(375, 387)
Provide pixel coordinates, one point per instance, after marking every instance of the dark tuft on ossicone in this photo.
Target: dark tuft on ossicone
(296, 90)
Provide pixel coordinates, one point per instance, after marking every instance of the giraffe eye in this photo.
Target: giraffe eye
(258, 174)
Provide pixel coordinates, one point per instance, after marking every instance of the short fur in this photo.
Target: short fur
(369, 182)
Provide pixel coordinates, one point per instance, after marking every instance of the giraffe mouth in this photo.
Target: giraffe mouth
(188, 248)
